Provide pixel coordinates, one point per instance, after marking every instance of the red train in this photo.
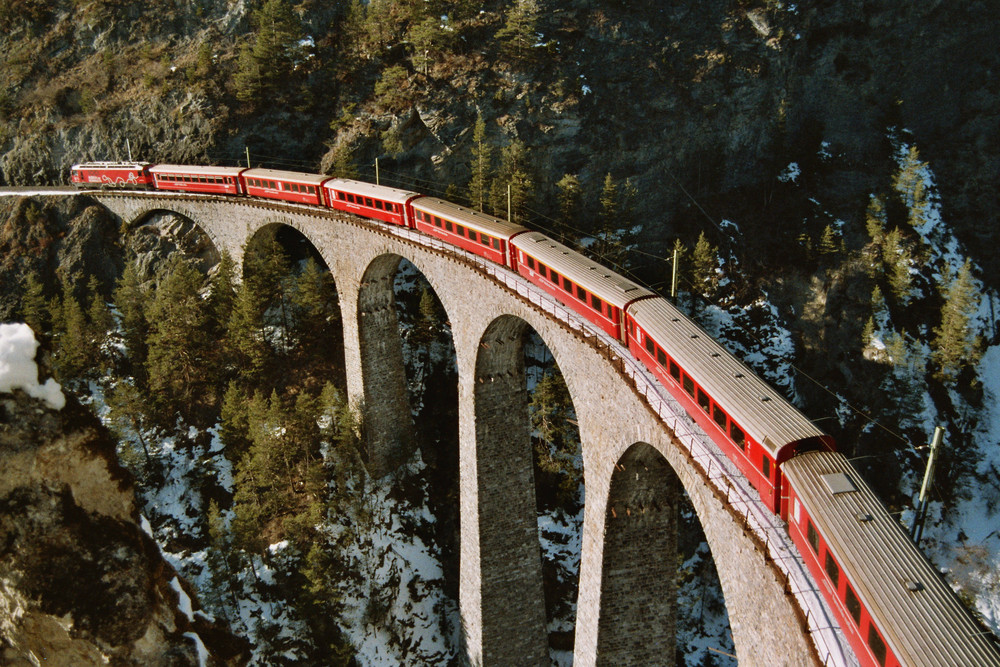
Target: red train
(891, 603)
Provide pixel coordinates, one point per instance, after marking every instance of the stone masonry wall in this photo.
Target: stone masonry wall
(612, 418)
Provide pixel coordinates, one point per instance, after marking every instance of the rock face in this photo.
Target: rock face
(81, 583)
(55, 237)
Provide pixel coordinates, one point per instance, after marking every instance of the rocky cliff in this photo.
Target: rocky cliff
(81, 582)
(700, 105)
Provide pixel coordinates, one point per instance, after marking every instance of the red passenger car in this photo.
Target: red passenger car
(105, 175)
(594, 291)
(285, 185)
(755, 427)
(892, 604)
(469, 230)
(184, 178)
(371, 201)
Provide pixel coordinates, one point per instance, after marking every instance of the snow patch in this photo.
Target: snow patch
(18, 369)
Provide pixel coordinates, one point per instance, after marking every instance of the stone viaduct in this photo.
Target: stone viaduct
(635, 458)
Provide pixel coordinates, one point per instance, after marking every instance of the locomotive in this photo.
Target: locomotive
(892, 605)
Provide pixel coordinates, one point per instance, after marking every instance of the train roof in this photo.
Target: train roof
(920, 618)
(288, 176)
(481, 222)
(371, 190)
(110, 165)
(763, 413)
(595, 278)
(196, 170)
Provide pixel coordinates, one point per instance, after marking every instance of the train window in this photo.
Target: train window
(459, 229)
(543, 270)
(447, 225)
(675, 370)
(765, 466)
(719, 416)
(272, 185)
(581, 294)
(650, 345)
(812, 536)
(661, 358)
(832, 570)
(496, 244)
(341, 196)
(736, 433)
(609, 310)
(596, 303)
(368, 202)
(853, 606)
(484, 239)
(378, 205)
(531, 263)
(311, 189)
(704, 401)
(567, 285)
(438, 222)
(876, 644)
(688, 384)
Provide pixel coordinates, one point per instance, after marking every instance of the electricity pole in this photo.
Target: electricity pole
(917, 530)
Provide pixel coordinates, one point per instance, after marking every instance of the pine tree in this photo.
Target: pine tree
(956, 344)
(519, 31)
(570, 206)
(222, 294)
(514, 174)
(875, 219)
(178, 343)
(234, 422)
(428, 323)
(268, 59)
(681, 254)
(245, 340)
(72, 355)
(314, 301)
(828, 242)
(909, 182)
(704, 261)
(223, 563)
(132, 300)
(128, 413)
(429, 39)
(608, 247)
(555, 449)
(868, 332)
(392, 90)
(897, 260)
(342, 162)
(34, 309)
(481, 165)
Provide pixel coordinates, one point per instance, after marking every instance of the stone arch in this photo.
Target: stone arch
(149, 235)
(510, 563)
(638, 588)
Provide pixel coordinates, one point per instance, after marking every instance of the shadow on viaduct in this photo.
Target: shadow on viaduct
(633, 464)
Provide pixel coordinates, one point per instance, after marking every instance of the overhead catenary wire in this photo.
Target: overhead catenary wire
(434, 188)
